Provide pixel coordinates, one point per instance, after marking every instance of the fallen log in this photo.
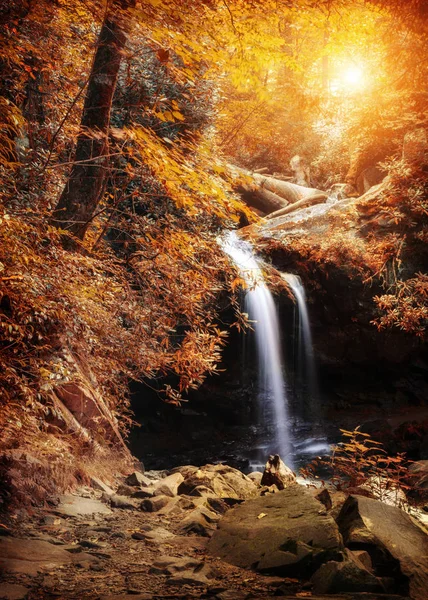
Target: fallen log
(268, 194)
(304, 203)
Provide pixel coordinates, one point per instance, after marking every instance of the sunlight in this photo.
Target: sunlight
(353, 76)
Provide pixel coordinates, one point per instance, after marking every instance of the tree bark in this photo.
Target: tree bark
(84, 188)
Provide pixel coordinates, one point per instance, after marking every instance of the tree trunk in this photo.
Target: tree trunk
(271, 195)
(304, 203)
(84, 188)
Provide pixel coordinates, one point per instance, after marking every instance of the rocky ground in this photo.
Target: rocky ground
(157, 537)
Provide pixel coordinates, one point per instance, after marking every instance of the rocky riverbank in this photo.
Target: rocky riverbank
(211, 532)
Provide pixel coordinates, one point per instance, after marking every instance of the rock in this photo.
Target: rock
(419, 478)
(123, 502)
(347, 576)
(154, 504)
(137, 479)
(368, 178)
(12, 591)
(51, 520)
(287, 533)
(217, 505)
(277, 473)
(145, 493)
(183, 570)
(29, 557)
(189, 578)
(125, 490)
(256, 477)
(363, 557)
(169, 565)
(202, 491)
(75, 506)
(389, 535)
(265, 490)
(98, 484)
(200, 522)
(323, 496)
(169, 485)
(222, 480)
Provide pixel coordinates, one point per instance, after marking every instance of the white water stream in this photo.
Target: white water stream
(261, 309)
(305, 352)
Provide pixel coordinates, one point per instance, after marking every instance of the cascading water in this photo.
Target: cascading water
(261, 308)
(305, 354)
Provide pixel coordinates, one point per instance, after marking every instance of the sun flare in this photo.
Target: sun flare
(353, 76)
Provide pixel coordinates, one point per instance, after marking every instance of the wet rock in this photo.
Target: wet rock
(222, 480)
(123, 502)
(137, 479)
(12, 591)
(288, 533)
(76, 506)
(155, 504)
(277, 473)
(391, 537)
(169, 485)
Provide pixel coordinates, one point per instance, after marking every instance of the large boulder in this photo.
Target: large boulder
(223, 481)
(397, 545)
(288, 533)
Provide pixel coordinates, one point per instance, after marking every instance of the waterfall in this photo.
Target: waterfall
(305, 355)
(261, 309)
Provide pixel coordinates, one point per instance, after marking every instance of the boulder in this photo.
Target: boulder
(155, 504)
(222, 480)
(200, 521)
(169, 485)
(125, 490)
(347, 576)
(137, 479)
(397, 545)
(277, 473)
(124, 502)
(288, 533)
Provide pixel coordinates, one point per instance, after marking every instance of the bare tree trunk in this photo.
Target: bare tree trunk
(83, 190)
